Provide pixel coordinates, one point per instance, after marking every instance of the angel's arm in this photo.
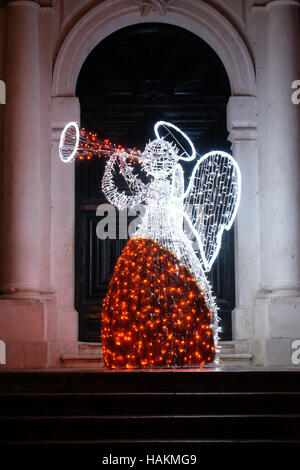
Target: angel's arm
(133, 181)
(120, 199)
(177, 188)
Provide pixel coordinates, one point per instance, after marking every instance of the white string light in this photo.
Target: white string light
(209, 204)
(69, 141)
(212, 199)
(166, 125)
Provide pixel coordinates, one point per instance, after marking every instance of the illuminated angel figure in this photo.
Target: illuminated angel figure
(159, 310)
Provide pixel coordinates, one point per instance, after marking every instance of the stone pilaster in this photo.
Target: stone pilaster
(280, 188)
(21, 206)
(241, 123)
(28, 321)
(276, 318)
(64, 109)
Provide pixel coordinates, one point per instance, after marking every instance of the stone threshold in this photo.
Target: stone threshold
(90, 356)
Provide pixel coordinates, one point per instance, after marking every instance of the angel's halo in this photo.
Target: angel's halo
(166, 125)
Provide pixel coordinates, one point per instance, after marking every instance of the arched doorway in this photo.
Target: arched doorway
(219, 29)
(134, 77)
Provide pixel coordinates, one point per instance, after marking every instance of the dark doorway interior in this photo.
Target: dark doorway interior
(133, 78)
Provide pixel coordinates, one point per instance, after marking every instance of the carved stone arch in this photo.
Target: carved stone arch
(199, 18)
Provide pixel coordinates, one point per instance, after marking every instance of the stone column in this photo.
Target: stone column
(277, 313)
(27, 314)
(280, 164)
(21, 202)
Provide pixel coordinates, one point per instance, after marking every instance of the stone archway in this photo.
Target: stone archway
(199, 18)
(208, 23)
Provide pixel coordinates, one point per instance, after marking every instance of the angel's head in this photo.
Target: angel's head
(159, 158)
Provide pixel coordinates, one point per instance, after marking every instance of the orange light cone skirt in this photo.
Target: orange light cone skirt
(154, 314)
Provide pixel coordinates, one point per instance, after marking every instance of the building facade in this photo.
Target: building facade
(43, 45)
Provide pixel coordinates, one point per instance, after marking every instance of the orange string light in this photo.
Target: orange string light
(146, 330)
(90, 145)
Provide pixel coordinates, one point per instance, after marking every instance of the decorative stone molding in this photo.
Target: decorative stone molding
(271, 3)
(42, 3)
(16, 291)
(47, 3)
(242, 118)
(260, 3)
(64, 109)
(198, 17)
(283, 3)
(148, 6)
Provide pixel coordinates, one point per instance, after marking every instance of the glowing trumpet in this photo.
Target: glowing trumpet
(83, 144)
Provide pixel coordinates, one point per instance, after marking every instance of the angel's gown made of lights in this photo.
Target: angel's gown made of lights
(159, 310)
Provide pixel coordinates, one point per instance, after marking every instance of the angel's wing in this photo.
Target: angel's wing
(211, 202)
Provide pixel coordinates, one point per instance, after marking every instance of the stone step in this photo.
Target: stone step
(97, 403)
(135, 427)
(74, 417)
(90, 356)
(158, 380)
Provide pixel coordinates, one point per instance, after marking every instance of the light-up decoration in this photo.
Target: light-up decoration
(83, 144)
(69, 142)
(211, 202)
(155, 314)
(159, 310)
(166, 125)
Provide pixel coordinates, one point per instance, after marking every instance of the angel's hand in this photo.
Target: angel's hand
(127, 171)
(119, 198)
